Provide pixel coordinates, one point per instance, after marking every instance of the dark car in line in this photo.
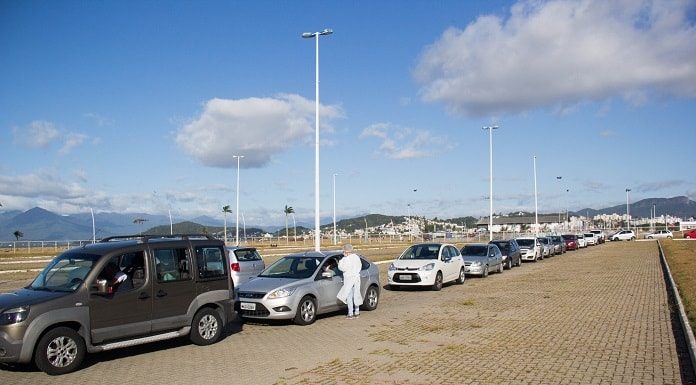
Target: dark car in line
(512, 256)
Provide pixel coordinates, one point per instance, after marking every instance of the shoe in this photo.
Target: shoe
(356, 316)
(349, 317)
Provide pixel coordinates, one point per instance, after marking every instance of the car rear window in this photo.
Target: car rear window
(244, 255)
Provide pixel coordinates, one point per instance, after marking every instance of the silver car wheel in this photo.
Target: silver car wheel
(307, 310)
(61, 351)
(207, 327)
(372, 298)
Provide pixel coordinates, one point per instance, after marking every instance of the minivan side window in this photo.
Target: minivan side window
(210, 262)
(124, 272)
(172, 264)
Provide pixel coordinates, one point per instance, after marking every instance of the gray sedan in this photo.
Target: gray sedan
(481, 258)
(302, 286)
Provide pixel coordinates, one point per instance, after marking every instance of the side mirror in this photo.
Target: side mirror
(103, 287)
(446, 259)
(327, 274)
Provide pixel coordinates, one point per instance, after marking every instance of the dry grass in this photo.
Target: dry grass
(681, 256)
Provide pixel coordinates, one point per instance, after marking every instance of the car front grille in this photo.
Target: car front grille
(261, 311)
(407, 269)
(399, 278)
(250, 294)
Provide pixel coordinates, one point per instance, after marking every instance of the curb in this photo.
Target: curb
(683, 319)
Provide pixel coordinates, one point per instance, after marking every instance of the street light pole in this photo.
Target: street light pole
(490, 163)
(628, 213)
(560, 208)
(317, 231)
(536, 203)
(237, 210)
(334, 208)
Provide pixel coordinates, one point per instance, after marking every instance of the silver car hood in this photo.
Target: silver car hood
(265, 284)
(474, 258)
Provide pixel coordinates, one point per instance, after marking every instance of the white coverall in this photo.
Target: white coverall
(350, 265)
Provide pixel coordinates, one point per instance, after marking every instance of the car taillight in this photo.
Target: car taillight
(235, 267)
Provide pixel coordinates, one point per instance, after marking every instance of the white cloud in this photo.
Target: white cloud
(43, 184)
(72, 140)
(254, 127)
(405, 143)
(38, 134)
(98, 119)
(560, 53)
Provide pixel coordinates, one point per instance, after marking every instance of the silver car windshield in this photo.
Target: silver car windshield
(475, 251)
(65, 272)
(292, 267)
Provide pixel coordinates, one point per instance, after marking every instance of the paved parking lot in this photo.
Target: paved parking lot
(595, 316)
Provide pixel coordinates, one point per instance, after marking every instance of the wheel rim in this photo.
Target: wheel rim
(462, 275)
(207, 326)
(372, 297)
(438, 280)
(61, 352)
(307, 311)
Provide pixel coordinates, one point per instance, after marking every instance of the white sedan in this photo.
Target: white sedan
(427, 264)
(659, 234)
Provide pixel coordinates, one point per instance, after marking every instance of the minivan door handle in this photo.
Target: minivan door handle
(143, 295)
(161, 293)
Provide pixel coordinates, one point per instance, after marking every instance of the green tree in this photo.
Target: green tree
(226, 209)
(18, 234)
(288, 210)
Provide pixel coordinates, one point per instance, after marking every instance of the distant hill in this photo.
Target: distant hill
(681, 207)
(38, 224)
(189, 227)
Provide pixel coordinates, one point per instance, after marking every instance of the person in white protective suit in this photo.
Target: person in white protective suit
(350, 265)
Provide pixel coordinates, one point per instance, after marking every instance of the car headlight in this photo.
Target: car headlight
(13, 316)
(281, 293)
(477, 263)
(427, 267)
(392, 267)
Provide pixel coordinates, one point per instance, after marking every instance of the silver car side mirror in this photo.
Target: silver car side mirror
(327, 274)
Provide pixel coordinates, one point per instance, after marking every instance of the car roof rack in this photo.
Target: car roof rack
(147, 237)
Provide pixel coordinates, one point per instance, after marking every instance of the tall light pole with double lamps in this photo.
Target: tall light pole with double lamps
(236, 225)
(490, 164)
(317, 230)
(334, 207)
(628, 213)
(536, 202)
(560, 207)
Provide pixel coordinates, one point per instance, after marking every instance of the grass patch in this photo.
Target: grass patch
(681, 257)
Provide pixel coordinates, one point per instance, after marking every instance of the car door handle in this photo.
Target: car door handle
(143, 296)
(161, 294)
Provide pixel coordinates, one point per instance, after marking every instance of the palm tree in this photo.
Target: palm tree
(288, 210)
(226, 209)
(18, 234)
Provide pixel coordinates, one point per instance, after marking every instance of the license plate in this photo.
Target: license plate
(247, 306)
(406, 277)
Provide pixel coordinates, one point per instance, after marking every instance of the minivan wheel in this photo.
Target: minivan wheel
(437, 286)
(306, 311)
(206, 327)
(371, 299)
(59, 351)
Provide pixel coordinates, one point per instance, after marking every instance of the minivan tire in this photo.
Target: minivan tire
(206, 327)
(60, 351)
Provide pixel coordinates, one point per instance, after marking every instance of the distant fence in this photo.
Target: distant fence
(42, 245)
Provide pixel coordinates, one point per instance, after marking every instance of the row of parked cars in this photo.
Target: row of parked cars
(130, 290)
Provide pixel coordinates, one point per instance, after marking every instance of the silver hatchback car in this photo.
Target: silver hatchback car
(302, 286)
(245, 263)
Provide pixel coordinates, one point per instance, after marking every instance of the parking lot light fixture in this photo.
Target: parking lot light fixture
(536, 202)
(490, 164)
(628, 212)
(236, 239)
(317, 230)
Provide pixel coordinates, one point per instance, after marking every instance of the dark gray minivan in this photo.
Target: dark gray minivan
(119, 292)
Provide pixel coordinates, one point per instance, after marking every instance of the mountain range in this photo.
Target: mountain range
(38, 224)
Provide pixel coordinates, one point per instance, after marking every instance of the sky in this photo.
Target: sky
(140, 106)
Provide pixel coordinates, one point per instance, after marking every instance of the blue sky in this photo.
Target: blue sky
(138, 106)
